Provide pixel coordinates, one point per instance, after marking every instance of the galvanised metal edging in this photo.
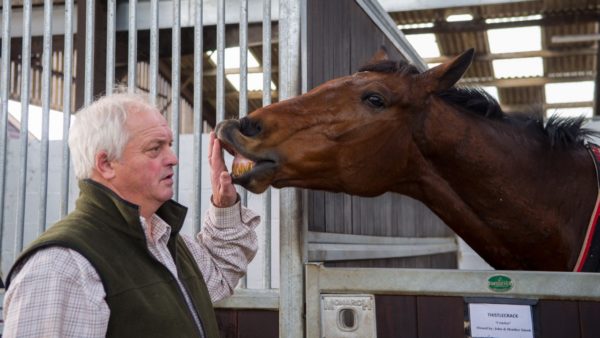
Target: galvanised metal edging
(263, 299)
(382, 19)
(527, 284)
(433, 282)
(319, 252)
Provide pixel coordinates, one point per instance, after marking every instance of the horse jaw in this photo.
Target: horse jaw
(257, 179)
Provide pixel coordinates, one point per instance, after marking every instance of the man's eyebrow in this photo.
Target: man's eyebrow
(158, 141)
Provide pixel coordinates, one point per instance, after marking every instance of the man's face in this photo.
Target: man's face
(144, 173)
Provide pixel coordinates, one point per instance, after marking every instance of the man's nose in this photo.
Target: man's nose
(172, 158)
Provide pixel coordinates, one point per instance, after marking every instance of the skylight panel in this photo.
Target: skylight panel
(516, 39)
(425, 44)
(586, 112)
(514, 19)
(255, 81)
(492, 90)
(459, 17)
(521, 67)
(416, 25)
(232, 58)
(569, 92)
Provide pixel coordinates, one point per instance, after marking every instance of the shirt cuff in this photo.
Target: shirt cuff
(228, 217)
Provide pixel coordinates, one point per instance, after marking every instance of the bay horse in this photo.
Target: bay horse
(520, 191)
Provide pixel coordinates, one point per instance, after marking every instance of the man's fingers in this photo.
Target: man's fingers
(225, 178)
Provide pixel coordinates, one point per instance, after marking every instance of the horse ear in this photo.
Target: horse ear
(380, 55)
(447, 74)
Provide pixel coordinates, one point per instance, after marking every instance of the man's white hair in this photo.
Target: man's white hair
(101, 127)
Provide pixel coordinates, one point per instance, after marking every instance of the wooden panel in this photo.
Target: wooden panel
(247, 323)
(589, 313)
(396, 316)
(258, 323)
(227, 321)
(440, 317)
(558, 319)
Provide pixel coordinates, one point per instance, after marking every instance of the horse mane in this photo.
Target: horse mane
(560, 132)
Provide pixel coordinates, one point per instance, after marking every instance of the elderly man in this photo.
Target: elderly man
(117, 265)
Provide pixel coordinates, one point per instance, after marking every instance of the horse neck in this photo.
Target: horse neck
(510, 199)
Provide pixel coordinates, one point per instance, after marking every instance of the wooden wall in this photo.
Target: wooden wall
(340, 39)
(432, 317)
(234, 323)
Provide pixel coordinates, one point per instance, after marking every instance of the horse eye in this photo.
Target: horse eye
(374, 100)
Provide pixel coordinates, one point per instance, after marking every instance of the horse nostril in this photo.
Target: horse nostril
(249, 127)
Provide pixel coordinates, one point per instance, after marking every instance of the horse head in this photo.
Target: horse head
(340, 135)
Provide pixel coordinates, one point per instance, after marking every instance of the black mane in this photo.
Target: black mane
(560, 132)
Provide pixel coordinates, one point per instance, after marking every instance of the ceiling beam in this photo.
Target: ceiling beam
(545, 53)
(416, 5)
(527, 107)
(525, 82)
(478, 25)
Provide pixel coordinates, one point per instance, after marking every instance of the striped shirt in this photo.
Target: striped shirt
(57, 292)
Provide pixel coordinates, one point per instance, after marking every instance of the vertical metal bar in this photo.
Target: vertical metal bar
(291, 280)
(176, 87)
(243, 95)
(67, 84)
(154, 50)
(111, 13)
(24, 133)
(4, 90)
(46, 77)
(267, 101)
(243, 29)
(220, 61)
(198, 87)
(132, 49)
(89, 52)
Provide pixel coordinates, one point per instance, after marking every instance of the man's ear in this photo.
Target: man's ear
(103, 165)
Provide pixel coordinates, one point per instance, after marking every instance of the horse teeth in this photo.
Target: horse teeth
(240, 169)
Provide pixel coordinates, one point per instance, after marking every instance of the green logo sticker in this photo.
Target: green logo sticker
(500, 283)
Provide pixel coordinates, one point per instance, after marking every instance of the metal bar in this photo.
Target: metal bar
(46, 77)
(293, 223)
(462, 283)
(243, 94)
(89, 52)
(110, 45)
(335, 238)
(176, 87)
(198, 87)
(313, 293)
(132, 48)
(243, 29)
(327, 252)
(220, 61)
(24, 132)
(413, 5)
(67, 86)
(4, 91)
(154, 50)
(251, 299)
(382, 19)
(265, 102)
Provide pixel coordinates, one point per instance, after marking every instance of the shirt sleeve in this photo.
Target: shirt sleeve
(56, 293)
(224, 247)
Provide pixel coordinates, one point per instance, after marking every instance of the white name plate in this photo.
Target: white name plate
(500, 321)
